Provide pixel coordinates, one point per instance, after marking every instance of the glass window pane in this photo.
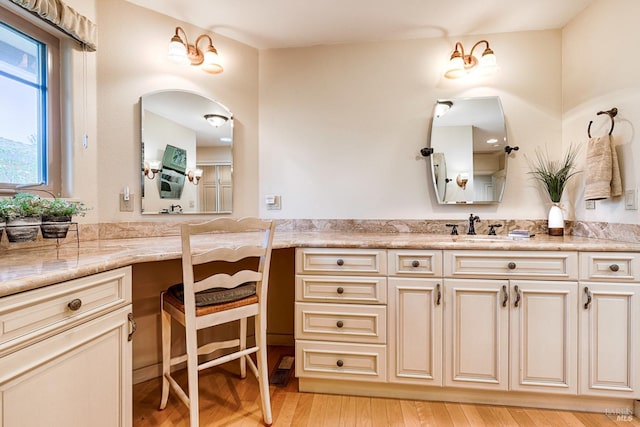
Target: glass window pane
(19, 136)
(19, 55)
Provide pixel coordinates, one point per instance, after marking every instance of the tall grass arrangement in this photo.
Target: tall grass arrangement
(554, 174)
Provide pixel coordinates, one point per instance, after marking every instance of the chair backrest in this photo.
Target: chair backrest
(228, 240)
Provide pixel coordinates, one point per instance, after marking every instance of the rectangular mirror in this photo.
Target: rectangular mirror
(187, 154)
(467, 149)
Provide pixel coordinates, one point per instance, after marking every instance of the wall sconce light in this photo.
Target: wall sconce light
(460, 64)
(462, 180)
(151, 168)
(216, 120)
(194, 176)
(182, 52)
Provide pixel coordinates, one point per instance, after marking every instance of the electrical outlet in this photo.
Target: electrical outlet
(590, 204)
(273, 202)
(126, 205)
(631, 199)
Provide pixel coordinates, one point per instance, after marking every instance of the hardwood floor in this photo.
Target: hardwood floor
(226, 400)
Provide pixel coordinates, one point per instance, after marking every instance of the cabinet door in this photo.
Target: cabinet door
(476, 333)
(79, 378)
(415, 330)
(610, 339)
(544, 336)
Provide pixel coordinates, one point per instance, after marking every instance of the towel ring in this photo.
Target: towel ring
(611, 113)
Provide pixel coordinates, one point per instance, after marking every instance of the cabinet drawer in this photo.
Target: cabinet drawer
(505, 264)
(415, 263)
(342, 261)
(341, 361)
(341, 322)
(617, 266)
(363, 290)
(44, 311)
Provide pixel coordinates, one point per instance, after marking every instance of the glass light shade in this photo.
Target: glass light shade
(155, 165)
(177, 52)
(456, 68)
(488, 64)
(211, 63)
(216, 120)
(197, 173)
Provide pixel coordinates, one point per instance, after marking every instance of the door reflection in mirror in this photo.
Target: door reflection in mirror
(196, 156)
(468, 164)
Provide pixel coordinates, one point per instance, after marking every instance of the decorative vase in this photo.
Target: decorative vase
(55, 227)
(555, 223)
(23, 229)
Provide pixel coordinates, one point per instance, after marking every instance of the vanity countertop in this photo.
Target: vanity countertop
(26, 269)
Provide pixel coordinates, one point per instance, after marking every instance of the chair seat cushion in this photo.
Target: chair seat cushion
(215, 295)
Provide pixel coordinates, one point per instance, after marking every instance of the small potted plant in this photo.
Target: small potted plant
(554, 175)
(56, 217)
(23, 215)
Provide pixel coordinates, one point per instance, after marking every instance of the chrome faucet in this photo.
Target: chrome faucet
(176, 208)
(472, 220)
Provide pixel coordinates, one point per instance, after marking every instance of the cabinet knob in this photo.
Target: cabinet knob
(340, 262)
(614, 267)
(339, 323)
(340, 290)
(340, 363)
(511, 265)
(415, 263)
(75, 304)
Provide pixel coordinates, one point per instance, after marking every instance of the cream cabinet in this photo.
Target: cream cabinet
(415, 309)
(518, 333)
(66, 353)
(341, 314)
(610, 324)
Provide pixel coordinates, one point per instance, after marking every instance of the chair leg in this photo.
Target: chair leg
(192, 373)
(263, 367)
(166, 353)
(243, 346)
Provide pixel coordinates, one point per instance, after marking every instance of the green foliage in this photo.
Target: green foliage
(554, 174)
(62, 207)
(21, 205)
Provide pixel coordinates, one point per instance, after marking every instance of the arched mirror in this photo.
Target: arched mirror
(467, 150)
(187, 154)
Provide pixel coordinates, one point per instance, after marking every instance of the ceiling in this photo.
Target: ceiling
(268, 24)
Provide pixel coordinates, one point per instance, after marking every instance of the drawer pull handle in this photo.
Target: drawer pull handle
(518, 296)
(415, 263)
(339, 323)
(340, 262)
(133, 325)
(75, 304)
(588, 294)
(340, 363)
(614, 267)
(505, 295)
(511, 265)
(438, 294)
(340, 290)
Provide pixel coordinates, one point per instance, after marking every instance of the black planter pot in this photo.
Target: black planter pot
(22, 229)
(55, 227)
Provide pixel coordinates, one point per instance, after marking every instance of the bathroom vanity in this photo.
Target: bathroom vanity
(541, 322)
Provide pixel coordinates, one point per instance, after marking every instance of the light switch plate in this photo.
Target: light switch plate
(590, 204)
(631, 199)
(126, 205)
(272, 202)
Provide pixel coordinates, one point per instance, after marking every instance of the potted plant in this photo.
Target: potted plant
(554, 176)
(22, 213)
(56, 217)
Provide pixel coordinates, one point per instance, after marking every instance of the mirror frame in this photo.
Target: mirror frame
(215, 186)
(466, 135)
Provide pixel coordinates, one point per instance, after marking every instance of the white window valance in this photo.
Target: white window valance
(65, 18)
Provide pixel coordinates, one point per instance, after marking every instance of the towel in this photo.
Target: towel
(602, 171)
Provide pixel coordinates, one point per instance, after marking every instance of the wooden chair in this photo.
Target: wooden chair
(217, 299)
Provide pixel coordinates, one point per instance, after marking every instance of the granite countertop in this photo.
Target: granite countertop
(22, 270)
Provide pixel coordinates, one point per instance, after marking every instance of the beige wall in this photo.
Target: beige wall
(341, 125)
(131, 62)
(601, 71)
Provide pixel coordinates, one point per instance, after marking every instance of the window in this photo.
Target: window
(29, 105)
